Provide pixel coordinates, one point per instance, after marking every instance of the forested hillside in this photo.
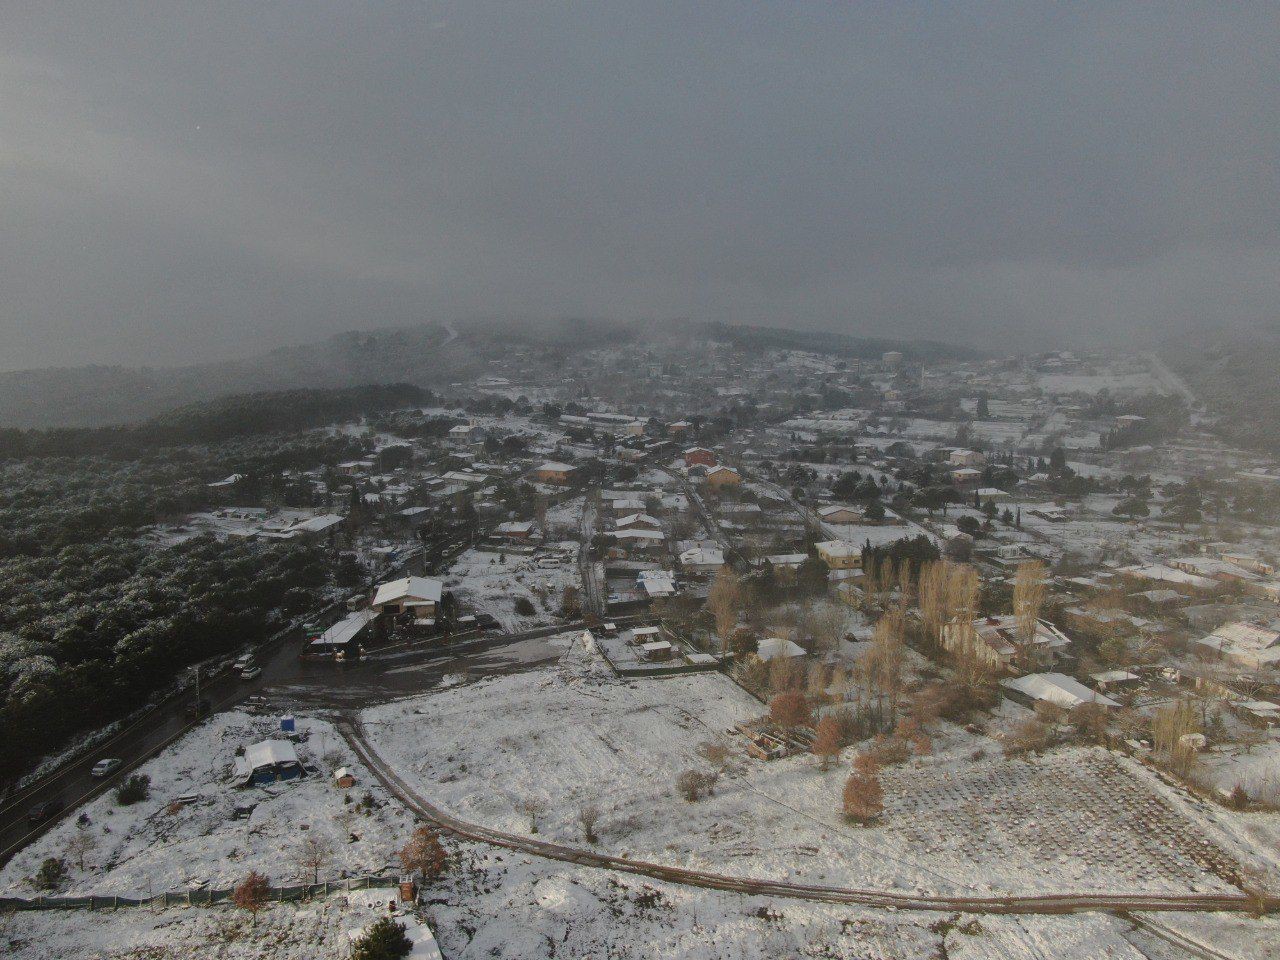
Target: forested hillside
(98, 396)
(93, 617)
(1236, 378)
(243, 415)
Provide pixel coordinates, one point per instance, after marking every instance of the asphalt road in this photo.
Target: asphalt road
(286, 683)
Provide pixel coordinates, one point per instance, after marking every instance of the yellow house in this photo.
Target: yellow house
(718, 477)
(840, 554)
(552, 472)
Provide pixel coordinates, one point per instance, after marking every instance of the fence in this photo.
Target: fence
(197, 898)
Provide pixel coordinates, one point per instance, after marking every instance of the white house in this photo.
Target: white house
(417, 595)
(1056, 688)
(702, 559)
(1247, 644)
(776, 647)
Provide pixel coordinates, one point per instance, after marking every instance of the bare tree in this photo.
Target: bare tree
(1090, 721)
(934, 613)
(588, 816)
(826, 622)
(1173, 728)
(81, 844)
(313, 854)
(789, 710)
(883, 661)
(532, 808)
(715, 753)
(826, 742)
(817, 679)
(252, 894)
(725, 602)
(1050, 714)
(785, 673)
(867, 763)
(424, 853)
(1029, 587)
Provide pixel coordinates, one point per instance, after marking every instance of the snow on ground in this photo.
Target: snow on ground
(150, 847)
(954, 823)
(491, 582)
(495, 904)
(1120, 384)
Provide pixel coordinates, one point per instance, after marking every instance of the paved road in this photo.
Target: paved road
(135, 743)
(286, 683)
(1070, 902)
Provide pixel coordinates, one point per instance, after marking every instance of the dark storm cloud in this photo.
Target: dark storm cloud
(182, 181)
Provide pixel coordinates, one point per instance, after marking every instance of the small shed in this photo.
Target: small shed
(344, 778)
(270, 761)
(658, 650)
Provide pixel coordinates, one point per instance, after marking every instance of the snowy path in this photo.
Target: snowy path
(353, 732)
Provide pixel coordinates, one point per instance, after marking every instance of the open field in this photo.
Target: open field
(151, 846)
(1073, 820)
(498, 905)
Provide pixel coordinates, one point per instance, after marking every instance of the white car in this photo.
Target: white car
(104, 768)
(251, 671)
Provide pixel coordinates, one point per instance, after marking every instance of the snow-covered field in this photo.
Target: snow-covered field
(491, 582)
(498, 905)
(574, 733)
(150, 846)
(1075, 819)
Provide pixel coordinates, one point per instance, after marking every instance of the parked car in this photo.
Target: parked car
(251, 671)
(242, 663)
(44, 811)
(104, 768)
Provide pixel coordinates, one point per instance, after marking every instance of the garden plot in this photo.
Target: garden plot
(1075, 819)
(488, 581)
(558, 739)
(157, 846)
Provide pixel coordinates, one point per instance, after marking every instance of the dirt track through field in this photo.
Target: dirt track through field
(1059, 903)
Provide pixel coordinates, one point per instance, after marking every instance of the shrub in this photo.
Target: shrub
(692, 783)
(524, 607)
(384, 940)
(51, 874)
(889, 750)
(788, 710)
(1030, 736)
(134, 790)
(863, 797)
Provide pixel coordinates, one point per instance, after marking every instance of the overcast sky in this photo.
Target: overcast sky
(188, 181)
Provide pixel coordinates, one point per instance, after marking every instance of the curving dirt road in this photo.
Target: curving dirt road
(353, 732)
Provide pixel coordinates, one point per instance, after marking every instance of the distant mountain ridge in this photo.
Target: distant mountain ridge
(100, 395)
(429, 355)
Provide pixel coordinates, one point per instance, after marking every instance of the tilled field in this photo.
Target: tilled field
(1076, 814)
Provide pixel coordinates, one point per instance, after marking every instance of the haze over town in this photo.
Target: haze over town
(221, 179)
(554, 481)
